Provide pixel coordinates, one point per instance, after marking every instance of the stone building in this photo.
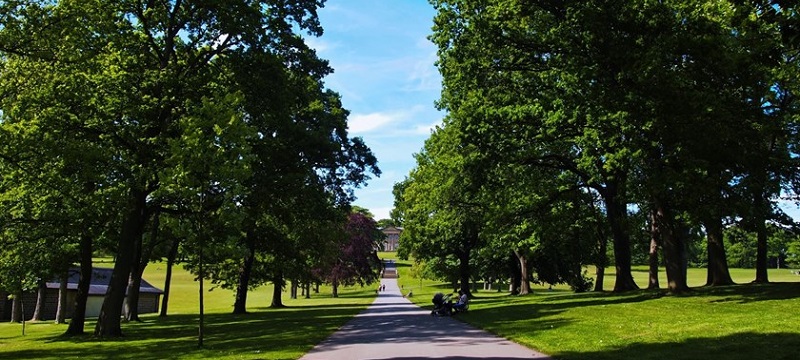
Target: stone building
(392, 237)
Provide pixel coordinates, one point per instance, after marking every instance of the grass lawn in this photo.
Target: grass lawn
(737, 322)
(262, 334)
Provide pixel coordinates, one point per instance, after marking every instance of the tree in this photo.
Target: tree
(383, 223)
(522, 80)
(440, 203)
(621, 95)
(356, 261)
(148, 66)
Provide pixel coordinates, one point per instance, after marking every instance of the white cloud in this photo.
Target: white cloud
(363, 123)
(423, 129)
(418, 122)
(321, 46)
(424, 76)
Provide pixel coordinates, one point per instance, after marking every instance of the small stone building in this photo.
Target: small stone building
(149, 297)
(392, 239)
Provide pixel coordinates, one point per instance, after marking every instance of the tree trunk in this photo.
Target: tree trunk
(201, 293)
(108, 323)
(524, 283)
(41, 297)
(600, 266)
(652, 282)
(277, 291)
(61, 309)
(674, 250)
(335, 286)
(516, 275)
(600, 277)
(308, 290)
(617, 217)
(652, 273)
(132, 301)
(16, 308)
(760, 211)
(293, 289)
(602, 258)
(762, 276)
(240, 304)
(718, 273)
(78, 321)
(173, 253)
(134, 284)
(683, 233)
(141, 260)
(464, 272)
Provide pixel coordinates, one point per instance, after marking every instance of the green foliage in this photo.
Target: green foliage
(740, 247)
(598, 108)
(782, 247)
(440, 205)
(209, 122)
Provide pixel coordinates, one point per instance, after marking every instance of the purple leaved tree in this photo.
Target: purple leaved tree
(357, 260)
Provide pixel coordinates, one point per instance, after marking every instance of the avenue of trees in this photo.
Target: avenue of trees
(187, 131)
(608, 133)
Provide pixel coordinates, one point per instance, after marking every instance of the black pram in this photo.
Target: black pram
(442, 305)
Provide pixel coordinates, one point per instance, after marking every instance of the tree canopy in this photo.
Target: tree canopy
(116, 114)
(566, 121)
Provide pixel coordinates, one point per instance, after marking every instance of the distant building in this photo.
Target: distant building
(392, 237)
(149, 296)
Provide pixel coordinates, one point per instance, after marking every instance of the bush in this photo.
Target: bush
(581, 283)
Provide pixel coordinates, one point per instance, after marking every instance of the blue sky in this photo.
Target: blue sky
(384, 69)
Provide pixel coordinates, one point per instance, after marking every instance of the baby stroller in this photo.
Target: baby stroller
(442, 305)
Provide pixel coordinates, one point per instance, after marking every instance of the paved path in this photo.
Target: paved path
(393, 328)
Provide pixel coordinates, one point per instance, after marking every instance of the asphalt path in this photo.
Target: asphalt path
(393, 328)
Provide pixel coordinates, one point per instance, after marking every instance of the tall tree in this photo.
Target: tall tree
(440, 203)
(535, 86)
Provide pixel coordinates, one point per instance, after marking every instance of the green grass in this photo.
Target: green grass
(264, 333)
(738, 322)
(735, 322)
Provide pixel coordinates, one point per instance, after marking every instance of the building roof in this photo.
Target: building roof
(100, 279)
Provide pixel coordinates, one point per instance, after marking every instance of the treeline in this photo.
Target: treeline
(600, 132)
(178, 130)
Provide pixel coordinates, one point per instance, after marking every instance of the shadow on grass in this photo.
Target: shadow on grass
(747, 293)
(284, 333)
(401, 264)
(739, 293)
(742, 346)
(562, 301)
(487, 314)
